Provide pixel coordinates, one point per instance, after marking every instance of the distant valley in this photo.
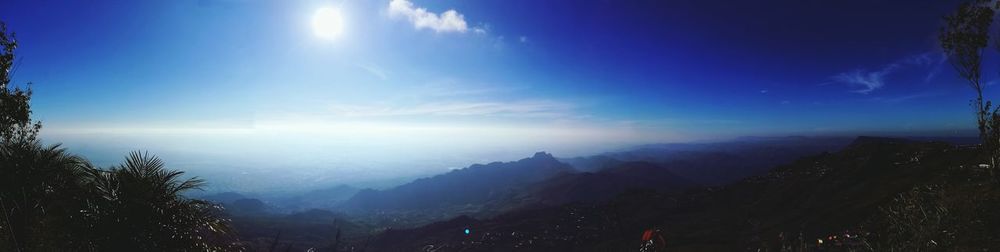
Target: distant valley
(484, 191)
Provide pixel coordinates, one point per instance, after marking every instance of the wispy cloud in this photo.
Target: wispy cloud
(374, 70)
(865, 81)
(672, 122)
(933, 60)
(903, 98)
(536, 108)
(454, 89)
(421, 18)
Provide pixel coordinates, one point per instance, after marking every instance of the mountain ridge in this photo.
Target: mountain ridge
(814, 196)
(474, 184)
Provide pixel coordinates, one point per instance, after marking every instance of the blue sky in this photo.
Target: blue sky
(435, 85)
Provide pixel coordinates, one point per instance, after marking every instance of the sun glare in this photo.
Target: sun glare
(328, 23)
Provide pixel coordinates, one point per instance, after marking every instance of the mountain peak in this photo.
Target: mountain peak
(542, 154)
(542, 157)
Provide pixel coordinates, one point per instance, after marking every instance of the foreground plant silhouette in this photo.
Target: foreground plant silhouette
(51, 200)
(956, 214)
(40, 187)
(40, 190)
(963, 39)
(138, 205)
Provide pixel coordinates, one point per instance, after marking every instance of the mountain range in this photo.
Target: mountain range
(815, 198)
(460, 191)
(717, 163)
(721, 192)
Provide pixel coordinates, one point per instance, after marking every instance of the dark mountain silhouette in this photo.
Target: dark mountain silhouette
(223, 197)
(471, 186)
(298, 231)
(592, 163)
(595, 187)
(605, 184)
(325, 198)
(479, 190)
(237, 204)
(246, 207)
(717, 163)
(830, 193)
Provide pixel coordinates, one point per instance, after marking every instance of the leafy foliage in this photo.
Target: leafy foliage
(138, 204)
(15, 121)
(39, 189)
(963, 39)
(40, 185)
(51, 200)
(951, 215)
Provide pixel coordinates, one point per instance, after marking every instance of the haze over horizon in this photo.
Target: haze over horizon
(385, 90)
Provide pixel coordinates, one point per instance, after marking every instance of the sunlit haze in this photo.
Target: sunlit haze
(328, 23)
(254, 94)
(499, 125)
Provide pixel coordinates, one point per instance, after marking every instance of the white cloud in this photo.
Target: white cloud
(479, 30)
(867, 81)
(448, 21)
(523, 39)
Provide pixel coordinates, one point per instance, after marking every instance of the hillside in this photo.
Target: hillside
(462, 190)
(813, 197)
(717, 163)
(594, 187)
(480, 190)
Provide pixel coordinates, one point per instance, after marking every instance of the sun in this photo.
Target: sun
(328, 23)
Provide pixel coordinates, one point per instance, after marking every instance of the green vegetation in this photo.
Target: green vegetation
(876, 195)
(964, 40)
(954, 212)
(51, 200)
